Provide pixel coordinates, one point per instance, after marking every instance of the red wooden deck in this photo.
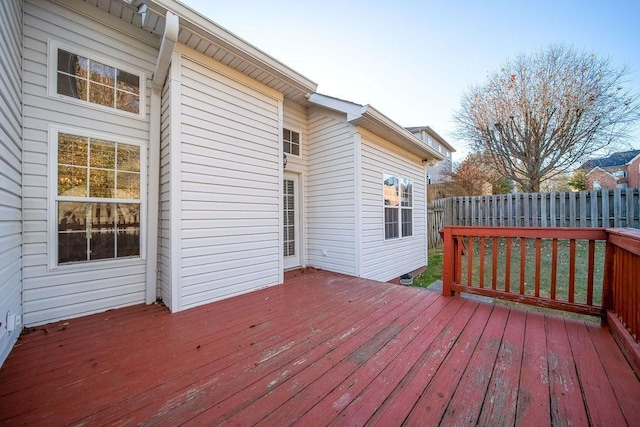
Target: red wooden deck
(321, 349)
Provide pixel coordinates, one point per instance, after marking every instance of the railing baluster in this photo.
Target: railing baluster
(470, 261)
(482, 262)
(523, 261)
(554, 267)
(572, 269)
(494, 265)
(538, 255)
(592, 256)
(507, 267)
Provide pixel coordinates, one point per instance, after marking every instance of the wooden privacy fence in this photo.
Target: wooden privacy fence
(435, 222)
(597, 208)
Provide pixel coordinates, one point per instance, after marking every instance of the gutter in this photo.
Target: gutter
(204, 27)
(169, 39)
(406, 139)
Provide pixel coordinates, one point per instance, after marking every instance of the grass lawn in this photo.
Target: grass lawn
(433, 271)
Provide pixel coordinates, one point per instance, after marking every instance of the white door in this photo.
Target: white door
(291, 221)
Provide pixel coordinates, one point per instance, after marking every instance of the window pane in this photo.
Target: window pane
(103, 154)
(128, 185)
(128, 230)
(102, 74)
(128, 82)
(102, 244)
(128, 158)
(127, 102)
(295, 137)
(72, 181)
(390, 223)
(72, 150)
(101, 94)
(407, 193)
(407, 222)
(72, 64)
(286, 134)
(287, 147)
(72, 216)
(72, 86)
(295, 149)
(101, 183)
(390, 190)
(72, 234)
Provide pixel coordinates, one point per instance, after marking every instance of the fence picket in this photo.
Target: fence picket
(596, 208)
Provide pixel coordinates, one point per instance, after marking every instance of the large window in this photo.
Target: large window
(291, 142)
(85, 79)
(97, 200)
(398, 207)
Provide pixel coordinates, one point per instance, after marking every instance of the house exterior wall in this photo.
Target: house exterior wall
(387, 259)
(230, 176)
(295, 118)
(605, 179)
(331, 192)
(633, 173)
(164, 289)
(55, 292)
(10, 170)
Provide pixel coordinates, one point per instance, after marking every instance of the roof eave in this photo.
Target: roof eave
(206, 28)
(372, 120)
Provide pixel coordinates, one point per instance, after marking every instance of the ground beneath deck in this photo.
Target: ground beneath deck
(323, 349)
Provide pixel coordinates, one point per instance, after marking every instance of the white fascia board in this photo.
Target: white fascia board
(397, 134)
(351, 109)
(208, 29)
(374, 121)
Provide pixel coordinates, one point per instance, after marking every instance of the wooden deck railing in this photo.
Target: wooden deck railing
(558, 268)
(594, 271)
(622, 296)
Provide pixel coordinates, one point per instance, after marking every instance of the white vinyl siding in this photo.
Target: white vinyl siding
(331, 217)
(53, 294)
(231, 185)
(295, 118)
(387, 259)
(164, 216)
(10, 170)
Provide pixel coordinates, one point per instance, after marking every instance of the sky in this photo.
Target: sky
(413, 60)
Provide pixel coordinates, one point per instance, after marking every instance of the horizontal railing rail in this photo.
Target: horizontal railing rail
(557, 268)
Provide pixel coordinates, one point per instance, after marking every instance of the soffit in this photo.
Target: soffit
(206, 37)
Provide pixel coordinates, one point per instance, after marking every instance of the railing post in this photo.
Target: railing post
(448, 264)
(607, 279)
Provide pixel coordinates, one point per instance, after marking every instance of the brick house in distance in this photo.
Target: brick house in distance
(619, 170)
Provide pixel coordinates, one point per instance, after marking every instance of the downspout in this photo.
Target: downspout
(169, 38)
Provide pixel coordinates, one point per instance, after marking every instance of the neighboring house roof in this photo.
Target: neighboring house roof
(212, 40)
(616, 159)
(433, 134)
(374, 121)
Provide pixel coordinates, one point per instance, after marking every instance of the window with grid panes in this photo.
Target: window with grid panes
(98, 201)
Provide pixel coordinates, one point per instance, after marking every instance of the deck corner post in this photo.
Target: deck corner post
(608, 279)
(448, 264)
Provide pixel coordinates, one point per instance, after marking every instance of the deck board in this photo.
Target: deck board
(323, 348)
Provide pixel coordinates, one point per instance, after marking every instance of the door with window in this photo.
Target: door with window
(291, 221)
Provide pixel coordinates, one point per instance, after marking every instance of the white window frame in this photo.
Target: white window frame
(400, 208)
(52, 219)
(52, 78)
(284, 128)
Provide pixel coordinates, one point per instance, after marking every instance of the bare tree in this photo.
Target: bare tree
(543, 113)
(476, 175)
